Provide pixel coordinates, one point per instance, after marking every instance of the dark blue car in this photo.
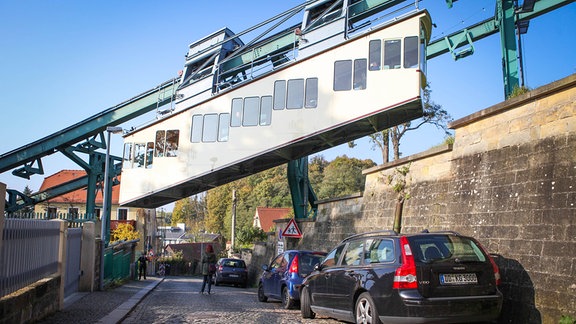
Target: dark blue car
(282, 278)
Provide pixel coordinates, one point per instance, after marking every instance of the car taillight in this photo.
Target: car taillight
(220, 268)
(494, 265)
(294, 265)
(405, 277)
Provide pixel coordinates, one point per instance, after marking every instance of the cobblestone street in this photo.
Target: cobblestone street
(176, 300)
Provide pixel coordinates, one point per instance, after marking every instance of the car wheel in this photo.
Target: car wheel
(287, 301)
(305, 309)
(365, 310)
(261, 296)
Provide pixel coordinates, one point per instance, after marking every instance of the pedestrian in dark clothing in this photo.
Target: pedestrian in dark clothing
(142, 266)
(208, 267)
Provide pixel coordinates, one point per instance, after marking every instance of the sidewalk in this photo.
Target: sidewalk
(104, 307)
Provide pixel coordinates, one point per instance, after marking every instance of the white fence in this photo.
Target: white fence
(29, 251)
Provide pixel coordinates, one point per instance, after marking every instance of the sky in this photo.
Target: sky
(63, 61)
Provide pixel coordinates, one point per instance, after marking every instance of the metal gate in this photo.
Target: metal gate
(73, 252)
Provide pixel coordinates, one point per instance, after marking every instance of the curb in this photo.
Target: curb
(118, 314)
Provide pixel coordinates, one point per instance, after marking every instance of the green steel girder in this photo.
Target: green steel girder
(486, 28)
(504, 22)
(141, 104)
(300, 189)
(29, 169)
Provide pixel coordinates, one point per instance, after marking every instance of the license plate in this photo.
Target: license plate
(234, 276)
(458, 278)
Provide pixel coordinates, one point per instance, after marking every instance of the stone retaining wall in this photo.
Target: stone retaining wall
(509, 180)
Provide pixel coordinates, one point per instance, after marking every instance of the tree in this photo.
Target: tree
(27, 192)
(433, 115)
(124, 231)
(181, 212)
(343, 176)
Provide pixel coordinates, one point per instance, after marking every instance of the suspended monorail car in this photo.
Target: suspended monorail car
(243, 108)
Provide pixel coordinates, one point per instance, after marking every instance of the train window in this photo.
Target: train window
(343, 75)
(223, 127)
(210, 128)
(149, 155)
(411, 52)
(392, 50)
(160, 143)
(295, 96)
(139, 155)
(279, 94)
(251, 113)
(196, 135)
(311, 99)
(127, 158)
(360, 74)
(265, 110)
(375, 54)
(172, 137)
(236, 118)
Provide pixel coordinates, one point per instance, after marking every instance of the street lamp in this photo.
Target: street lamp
(105, 219)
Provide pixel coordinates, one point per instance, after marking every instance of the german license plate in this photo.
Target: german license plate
(234, 276)
(458, 278)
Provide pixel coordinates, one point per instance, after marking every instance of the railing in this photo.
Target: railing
(118, 260)
(29, 252)
(74, 220)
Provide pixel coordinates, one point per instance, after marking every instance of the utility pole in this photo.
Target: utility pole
(233, 239)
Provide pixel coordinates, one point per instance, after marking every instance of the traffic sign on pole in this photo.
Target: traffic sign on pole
(292, 230)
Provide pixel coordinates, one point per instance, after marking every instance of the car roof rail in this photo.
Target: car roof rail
(368, 234)
(440, 232)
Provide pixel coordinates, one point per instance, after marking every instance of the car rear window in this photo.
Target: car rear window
(234, 263)
(307, 262)
(429, 248)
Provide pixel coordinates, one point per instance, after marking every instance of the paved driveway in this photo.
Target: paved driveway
(176, 300)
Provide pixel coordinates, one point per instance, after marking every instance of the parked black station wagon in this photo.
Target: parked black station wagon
(385, 277)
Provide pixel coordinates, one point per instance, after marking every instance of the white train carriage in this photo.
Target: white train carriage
(341, 92)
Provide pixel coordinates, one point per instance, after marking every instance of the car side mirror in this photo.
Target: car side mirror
(317, 267)
(265, 267)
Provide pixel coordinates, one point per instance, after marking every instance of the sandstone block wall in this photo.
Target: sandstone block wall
(509, 180)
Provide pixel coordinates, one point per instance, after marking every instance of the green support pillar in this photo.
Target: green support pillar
(507, 25)
(95, 175)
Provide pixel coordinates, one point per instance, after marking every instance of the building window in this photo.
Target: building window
(223, 127)
(210, 127)
(236, 118)
(172, 139)
(265, 110)
(127, 157)
(160, 143)
(196, 136)
(411, 52)
(279, 94)
(72, 212)
(52, 212)
(139, 154)
(343, 75)
(375, 54)
(251, 111)
(311, 100)
(149, 154)
(360, 74)
(122, 214)
(392, 51)
(295, 94)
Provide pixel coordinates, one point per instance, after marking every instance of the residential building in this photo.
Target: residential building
(265, 217)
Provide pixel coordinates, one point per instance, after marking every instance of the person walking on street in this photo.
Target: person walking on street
(208, 267)
(142, 266)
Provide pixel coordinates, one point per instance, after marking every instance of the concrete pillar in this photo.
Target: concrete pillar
(62, 260)
(88, 258)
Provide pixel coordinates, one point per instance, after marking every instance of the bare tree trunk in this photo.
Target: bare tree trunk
(386, 146)
(398, 214)
(395, 142)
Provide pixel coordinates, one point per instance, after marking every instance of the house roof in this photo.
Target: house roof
(265, 217)
(77, 196)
